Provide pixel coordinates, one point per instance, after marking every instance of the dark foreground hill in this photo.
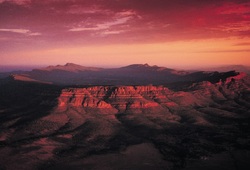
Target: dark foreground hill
(202, 124)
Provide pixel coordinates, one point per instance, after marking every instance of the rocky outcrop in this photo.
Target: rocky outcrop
(83, 97)
(128, 98)
(120, 97)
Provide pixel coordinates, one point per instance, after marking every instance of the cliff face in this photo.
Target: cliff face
(85, 97)
(120, 97)
(131, 98)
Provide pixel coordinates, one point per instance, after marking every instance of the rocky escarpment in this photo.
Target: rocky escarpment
(119, 97)
(129, 98)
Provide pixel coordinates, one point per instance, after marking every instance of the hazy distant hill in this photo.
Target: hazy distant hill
(239, 68)
(136, 74)
(7, 74)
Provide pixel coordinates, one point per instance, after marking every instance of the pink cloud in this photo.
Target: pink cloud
(129, 20)
(20, 31)
(102, 26)
(232, 8)
(18, 2)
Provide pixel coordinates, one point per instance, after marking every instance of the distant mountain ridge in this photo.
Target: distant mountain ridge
(71, 67)
(135, 74)
(239, 68)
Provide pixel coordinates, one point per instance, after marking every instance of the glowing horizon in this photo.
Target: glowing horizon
(118, 33)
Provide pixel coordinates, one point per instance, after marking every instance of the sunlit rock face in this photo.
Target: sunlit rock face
(129, 98)
(84, 97)
(121, 98)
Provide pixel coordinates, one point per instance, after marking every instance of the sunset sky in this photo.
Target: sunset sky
(171, 33)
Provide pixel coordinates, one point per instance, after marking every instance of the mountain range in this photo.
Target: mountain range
(136, 74)
(133, 117)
